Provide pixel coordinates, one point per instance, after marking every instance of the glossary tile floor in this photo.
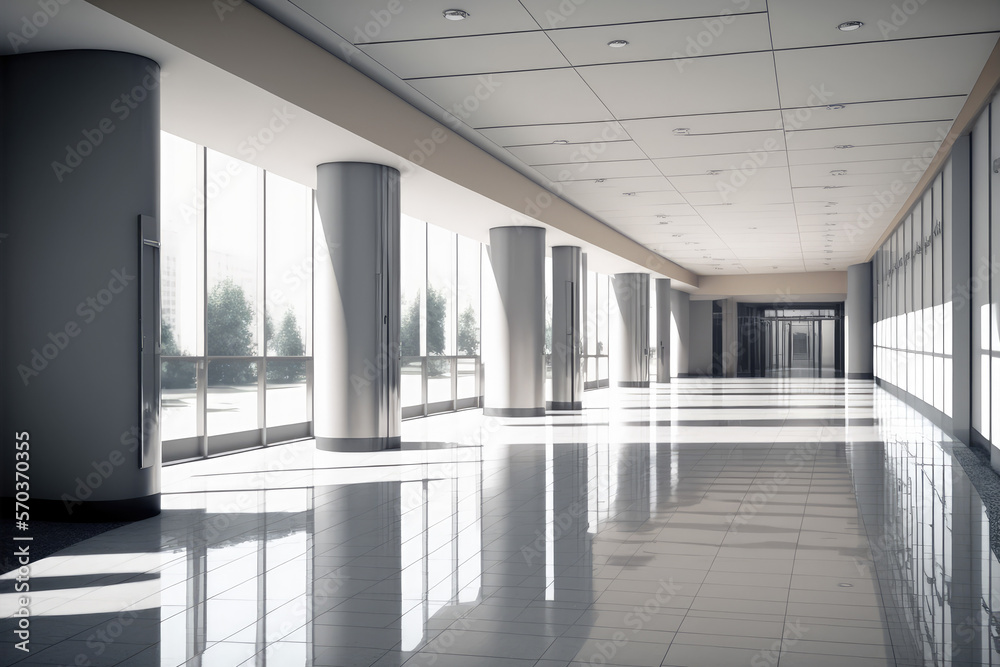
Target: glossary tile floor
(791, 522)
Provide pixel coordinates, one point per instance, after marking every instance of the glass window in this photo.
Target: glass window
(233, 210)
(441, 328)
(441, 289)
(602, 315)
(179, 399)
(180, 230)
(980, 289)
(469, 262)
(591, 318)
(288, 244)
(413, 282)
(232, 396)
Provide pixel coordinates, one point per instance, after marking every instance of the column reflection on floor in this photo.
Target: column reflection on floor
(781, 522)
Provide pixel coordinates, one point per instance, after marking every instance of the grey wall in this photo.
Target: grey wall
(700, 346)
(680, 332)
(858, 327)
(80, 163)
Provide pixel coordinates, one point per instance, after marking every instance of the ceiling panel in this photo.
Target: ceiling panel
(689, 166)
(860, 153)
(796, 23)
(730, 181)
(881, 71)
(575, 133)
(659, 142)
(467, 55)
(837, 193)
(636, 211)
(905, 133)
(817, 171)
(874, 113)
(520, 76)
(364, 21)
(617, 186)
(713, 84)
(559, 153)
(776, 196)
(662, 39)
(577, 171)
(556, 96)
(567, 14)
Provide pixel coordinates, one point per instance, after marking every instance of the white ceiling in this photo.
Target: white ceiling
(751, 80)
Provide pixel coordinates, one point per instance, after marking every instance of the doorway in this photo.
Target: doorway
(781, 340)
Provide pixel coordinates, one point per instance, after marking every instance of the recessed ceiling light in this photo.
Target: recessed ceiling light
(617, 43)
(848, 26)
(843, 147)
(561, 142)
(838, 172)
(682, 131)
(455, 14)
(834, 107)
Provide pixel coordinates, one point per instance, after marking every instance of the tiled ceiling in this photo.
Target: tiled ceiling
(731, 136)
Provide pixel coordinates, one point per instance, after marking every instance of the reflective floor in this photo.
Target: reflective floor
(710, 522)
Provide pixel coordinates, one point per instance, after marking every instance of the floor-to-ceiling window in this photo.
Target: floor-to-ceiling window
(912, 350)
(237, 303)
(440, 319)
(920, 283)
(597, 308)
(984, 279)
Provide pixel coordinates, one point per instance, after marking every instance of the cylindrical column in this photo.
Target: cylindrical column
(356, 357)
(80, 134)
(680, 309)
(567, 328)
(663, 330)
(514, 323)
(859, 352)
(630, 358)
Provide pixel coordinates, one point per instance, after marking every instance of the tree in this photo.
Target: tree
(269, 332)
(409, 329)
(287, 343)
(229, 333)
(168, 344)
(468, 332)
(174, 374)
(437, 306)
